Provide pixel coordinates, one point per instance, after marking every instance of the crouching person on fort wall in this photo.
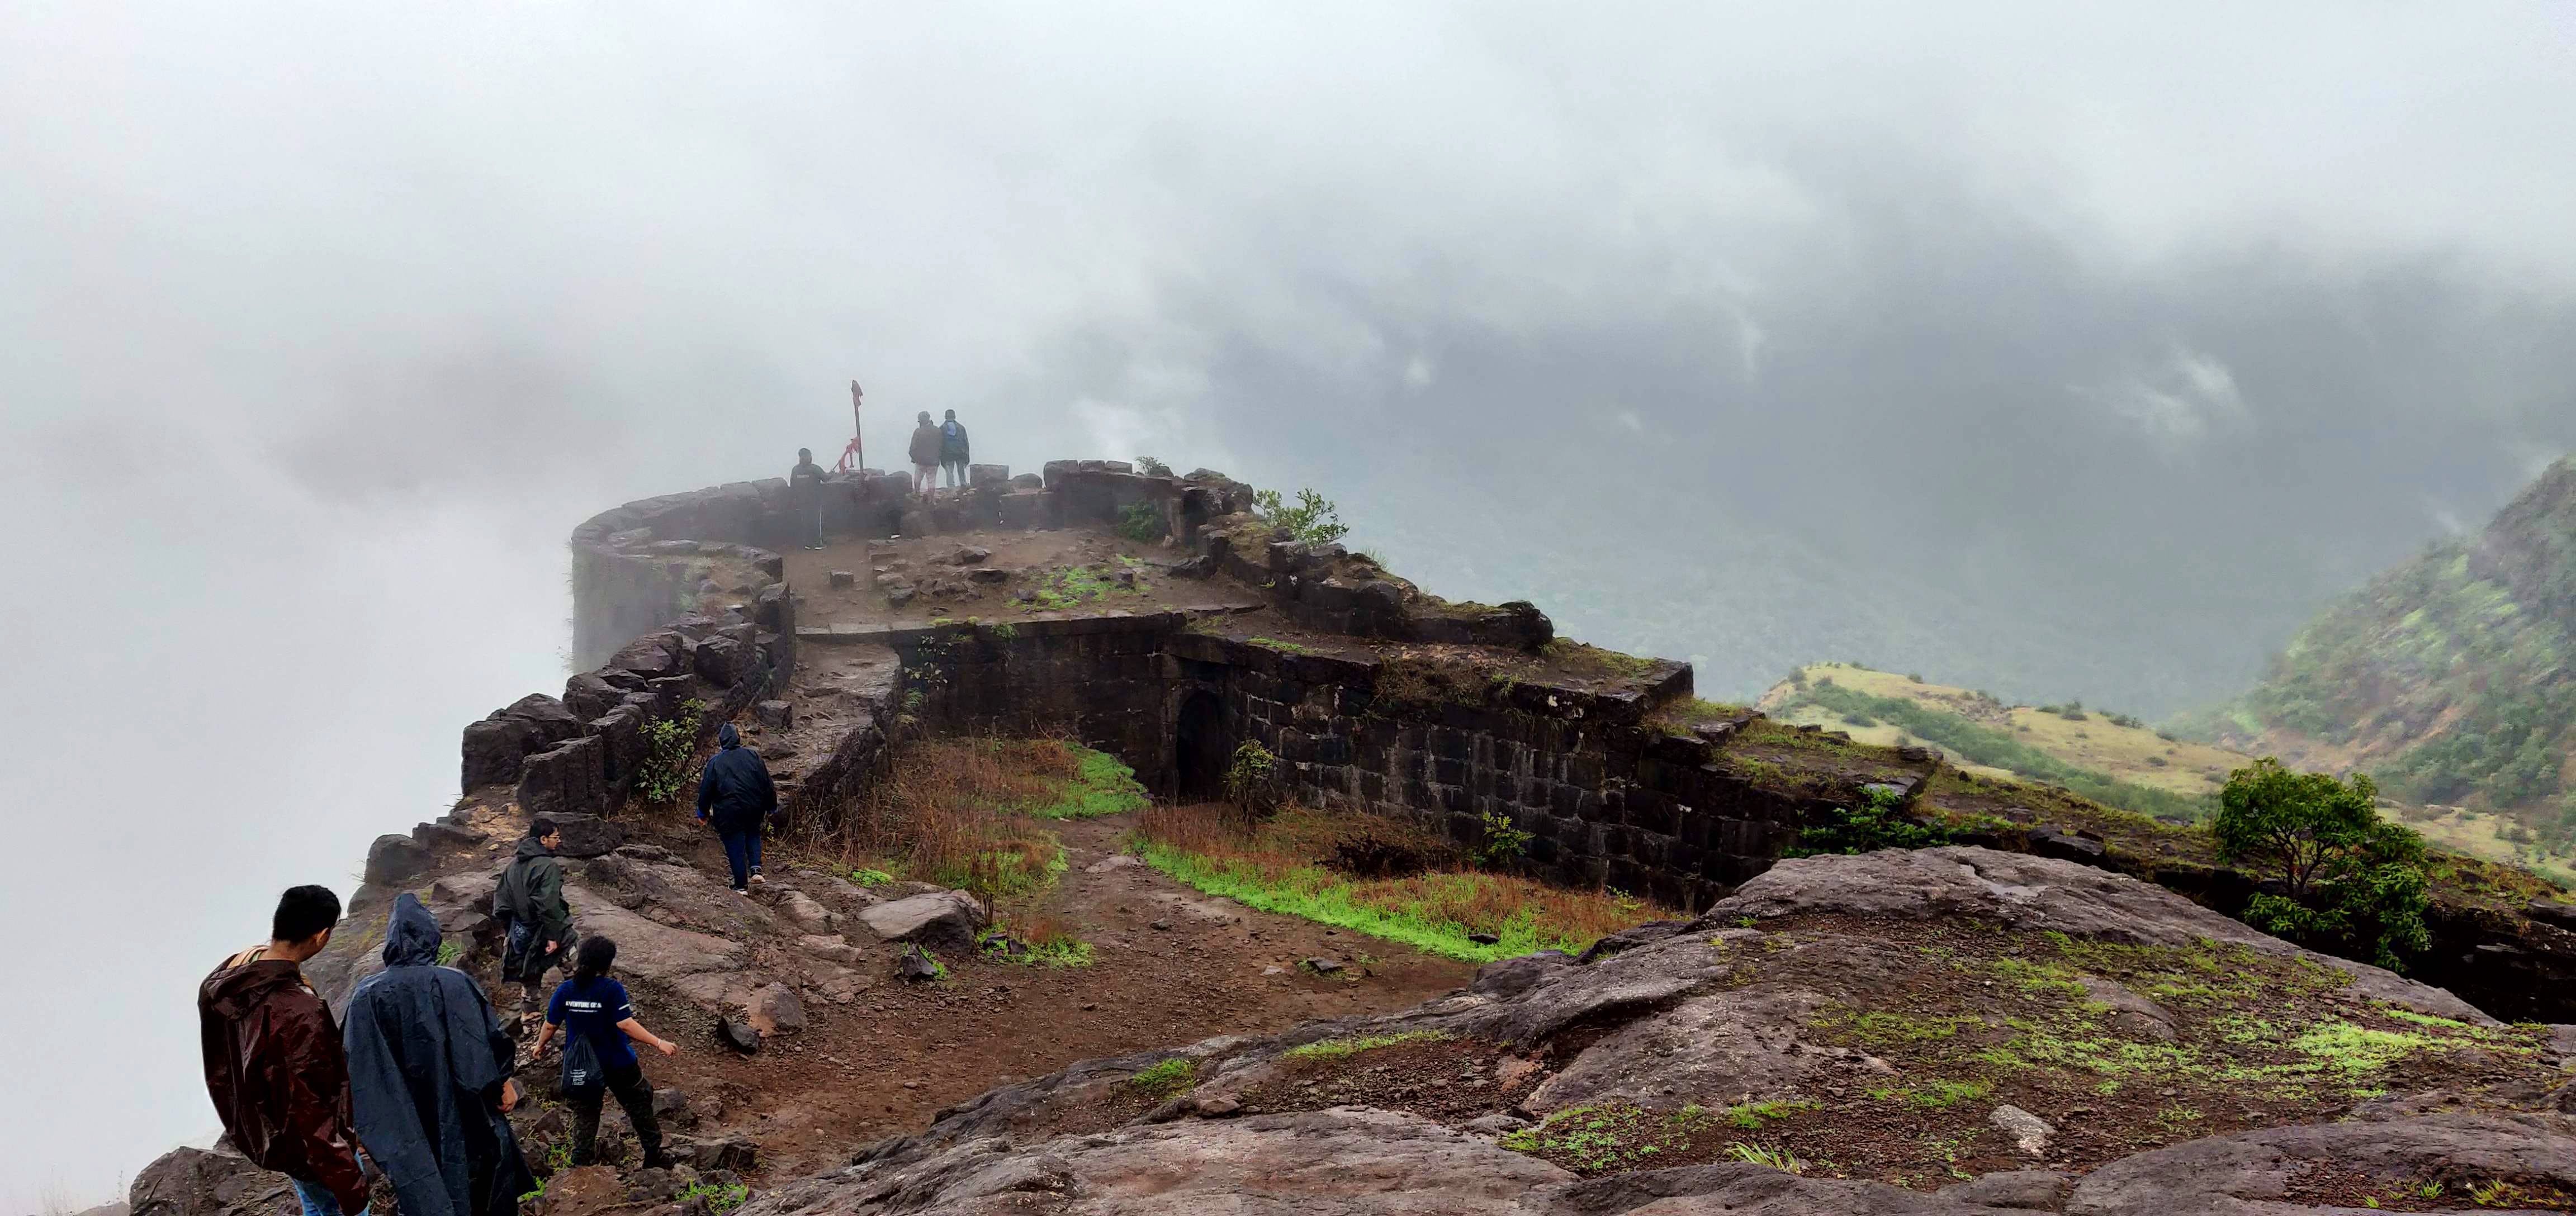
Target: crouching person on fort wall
(274, 1063)
(600, 1032)
(429, 1068)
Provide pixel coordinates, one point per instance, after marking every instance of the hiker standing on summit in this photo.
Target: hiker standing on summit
(925, 456)
(952, 451)
(429, 1069)
(805, 499)
(536, 923)
(735, 792)
(274, 1064)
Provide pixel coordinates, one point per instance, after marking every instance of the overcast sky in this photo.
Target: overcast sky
(2070, 351)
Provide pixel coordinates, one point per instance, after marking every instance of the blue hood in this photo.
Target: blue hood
(411, 935)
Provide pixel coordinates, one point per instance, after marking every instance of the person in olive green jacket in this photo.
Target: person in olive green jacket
(536, 923)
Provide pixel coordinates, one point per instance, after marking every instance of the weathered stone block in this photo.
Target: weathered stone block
(724, 661)
(493, 751)
(654, 654)
(565, 779)
(587, 696)
(588, 835)
(621, 741)
(393, 859)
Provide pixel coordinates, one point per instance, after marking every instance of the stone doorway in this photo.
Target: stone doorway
(1199, 749)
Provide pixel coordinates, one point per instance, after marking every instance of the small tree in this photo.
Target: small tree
(2346, 874)
(1314, 518)
(1252, 780)
(1151, 467)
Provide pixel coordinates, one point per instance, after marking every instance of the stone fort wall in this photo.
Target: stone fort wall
(1609, 797)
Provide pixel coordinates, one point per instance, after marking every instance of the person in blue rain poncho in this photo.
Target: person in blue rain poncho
(429, 1073)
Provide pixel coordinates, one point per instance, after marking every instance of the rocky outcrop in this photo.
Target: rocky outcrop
(2336, 1165)
(200, 1182)
(948, 921)
(1836, 1016)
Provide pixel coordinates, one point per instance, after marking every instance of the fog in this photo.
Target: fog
(2060, 351)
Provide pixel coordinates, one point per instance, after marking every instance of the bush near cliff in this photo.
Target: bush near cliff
(2348, 878)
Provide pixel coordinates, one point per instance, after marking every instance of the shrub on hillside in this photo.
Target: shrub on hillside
(667, 745)
(2348, 877)
(1252, 779)
(1313, 518)
(1877, 821)
(1141, 522)
(1151, 467)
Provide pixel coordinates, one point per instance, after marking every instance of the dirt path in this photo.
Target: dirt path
(1171, 967)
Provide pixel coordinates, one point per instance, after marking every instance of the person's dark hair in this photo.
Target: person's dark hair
(804, 453)
(540, 827)
(303, 912)
(596, 956)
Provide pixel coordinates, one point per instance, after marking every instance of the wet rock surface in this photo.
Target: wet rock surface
(1943, 1031)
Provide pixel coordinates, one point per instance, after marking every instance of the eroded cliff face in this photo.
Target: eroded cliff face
(1951, 1030)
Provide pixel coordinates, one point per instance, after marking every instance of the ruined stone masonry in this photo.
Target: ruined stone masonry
(1381, 714)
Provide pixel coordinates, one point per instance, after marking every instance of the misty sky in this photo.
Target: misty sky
(2064, 352)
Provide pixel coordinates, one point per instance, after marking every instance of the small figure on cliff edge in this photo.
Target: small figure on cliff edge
(925, 456)
(952, 451)
(429, 1069)
(274, 1063)
(536, 923)
(599, 1059)
(736, 793)
(805, 498)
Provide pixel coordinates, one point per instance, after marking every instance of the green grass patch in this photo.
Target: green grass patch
(1053, 952)
(1320, 895)
(719, 1198)
(1935, 1094)
(1166, 1079)
(1879, 1026)
(1600, 1138)
(1337, 1049)
(1100, 786)
(1288, 647)
(1005, 873)
(1074, 586)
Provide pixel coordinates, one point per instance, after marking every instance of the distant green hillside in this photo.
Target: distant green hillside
(2447, 678)
(2110, 758)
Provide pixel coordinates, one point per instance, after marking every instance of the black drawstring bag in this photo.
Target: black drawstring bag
(582, 1072)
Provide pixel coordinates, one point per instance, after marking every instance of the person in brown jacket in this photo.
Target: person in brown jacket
(925, 455)
(274, 1061)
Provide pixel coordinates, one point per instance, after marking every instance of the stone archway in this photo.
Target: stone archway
(1199, 748)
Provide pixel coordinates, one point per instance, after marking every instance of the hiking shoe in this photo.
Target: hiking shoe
(760, 880)
(742, 890)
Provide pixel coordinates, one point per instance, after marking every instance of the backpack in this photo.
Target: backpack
(582, 1072)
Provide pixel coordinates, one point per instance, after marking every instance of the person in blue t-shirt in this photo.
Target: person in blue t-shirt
(592, 1007)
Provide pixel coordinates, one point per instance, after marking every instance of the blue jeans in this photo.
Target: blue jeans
(318, 1200)
(742, 851)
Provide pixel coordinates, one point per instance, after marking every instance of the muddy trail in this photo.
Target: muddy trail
(1169, 965)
